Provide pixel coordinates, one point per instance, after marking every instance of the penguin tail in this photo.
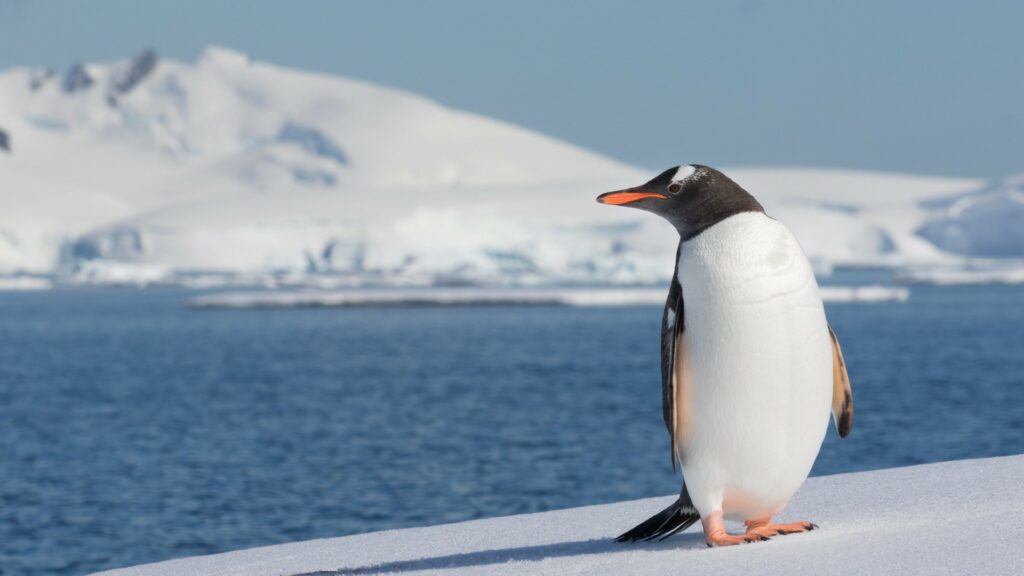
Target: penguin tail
(679, 516)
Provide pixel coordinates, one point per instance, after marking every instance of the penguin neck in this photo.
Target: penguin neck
(705, 213)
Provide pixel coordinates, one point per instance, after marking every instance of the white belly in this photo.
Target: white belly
(758, 367)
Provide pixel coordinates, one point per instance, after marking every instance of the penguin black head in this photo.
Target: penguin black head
(691, 197)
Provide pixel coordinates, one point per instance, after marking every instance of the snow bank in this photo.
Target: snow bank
(968, 274)
(964, 517)
(489, 296)
(113, 273)
(427, 297)
(865, 293)
(24, 283)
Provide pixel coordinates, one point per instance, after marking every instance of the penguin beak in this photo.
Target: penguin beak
(628, 196)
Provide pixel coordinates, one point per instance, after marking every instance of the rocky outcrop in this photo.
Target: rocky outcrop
(136, 71)
(312, 140)
(77, 79)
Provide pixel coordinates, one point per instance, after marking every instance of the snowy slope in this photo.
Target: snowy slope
(229, 166)
(987, 223)
(964, 517)
(232, 165)
(39, 210)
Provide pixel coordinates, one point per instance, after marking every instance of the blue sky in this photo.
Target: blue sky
(929, 87)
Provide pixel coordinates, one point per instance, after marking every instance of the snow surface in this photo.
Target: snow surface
(963, 517)
(476, 296)
(164, 170)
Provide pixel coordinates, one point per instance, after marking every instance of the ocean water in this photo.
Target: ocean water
(135, 430)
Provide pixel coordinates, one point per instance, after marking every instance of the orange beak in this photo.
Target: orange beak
(627, 196)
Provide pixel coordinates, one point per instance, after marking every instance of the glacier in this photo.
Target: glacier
(232, 171)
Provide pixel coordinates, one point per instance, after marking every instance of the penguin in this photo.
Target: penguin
(750, 367)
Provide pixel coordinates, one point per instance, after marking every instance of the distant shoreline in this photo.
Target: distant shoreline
(428, 297)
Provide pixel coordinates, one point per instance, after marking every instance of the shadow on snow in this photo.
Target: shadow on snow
(523, 553)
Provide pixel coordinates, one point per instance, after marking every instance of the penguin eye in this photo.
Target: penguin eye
(675, 187)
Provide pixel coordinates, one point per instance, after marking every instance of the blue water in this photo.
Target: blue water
(135, 430)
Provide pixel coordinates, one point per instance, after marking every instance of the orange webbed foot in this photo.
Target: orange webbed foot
(715, 534)
(725, 539)
(765, 528)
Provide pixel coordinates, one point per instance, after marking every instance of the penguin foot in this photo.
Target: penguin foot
(715, 534)
(764, 527)
(723, 538)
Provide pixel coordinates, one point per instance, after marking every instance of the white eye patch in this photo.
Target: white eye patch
(683, 172)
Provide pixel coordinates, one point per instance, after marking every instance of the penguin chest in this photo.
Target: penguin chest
(758, 366)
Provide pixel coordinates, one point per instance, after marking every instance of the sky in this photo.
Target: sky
(923, 87)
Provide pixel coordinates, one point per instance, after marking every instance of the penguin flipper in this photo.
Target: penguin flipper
(672, 327)
(679, 516)
(842, 395)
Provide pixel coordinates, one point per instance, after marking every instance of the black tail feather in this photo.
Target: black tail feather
(680, 515)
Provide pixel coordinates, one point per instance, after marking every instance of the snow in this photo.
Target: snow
(984, 273)
(112, 273)
(428, 297)
(42, 213)
(855, 218)
(864, 294)
(233, 166)
(24, 284)
(987, 223)
(481, 296)
(963, 517)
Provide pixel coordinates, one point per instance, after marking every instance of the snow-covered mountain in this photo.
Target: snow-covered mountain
(150, 169)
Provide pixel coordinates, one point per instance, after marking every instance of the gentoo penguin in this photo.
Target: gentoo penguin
(750, 368)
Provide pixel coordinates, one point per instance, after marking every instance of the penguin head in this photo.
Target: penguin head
(692, 198)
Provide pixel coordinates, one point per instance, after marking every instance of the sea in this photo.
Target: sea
(134, 429)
